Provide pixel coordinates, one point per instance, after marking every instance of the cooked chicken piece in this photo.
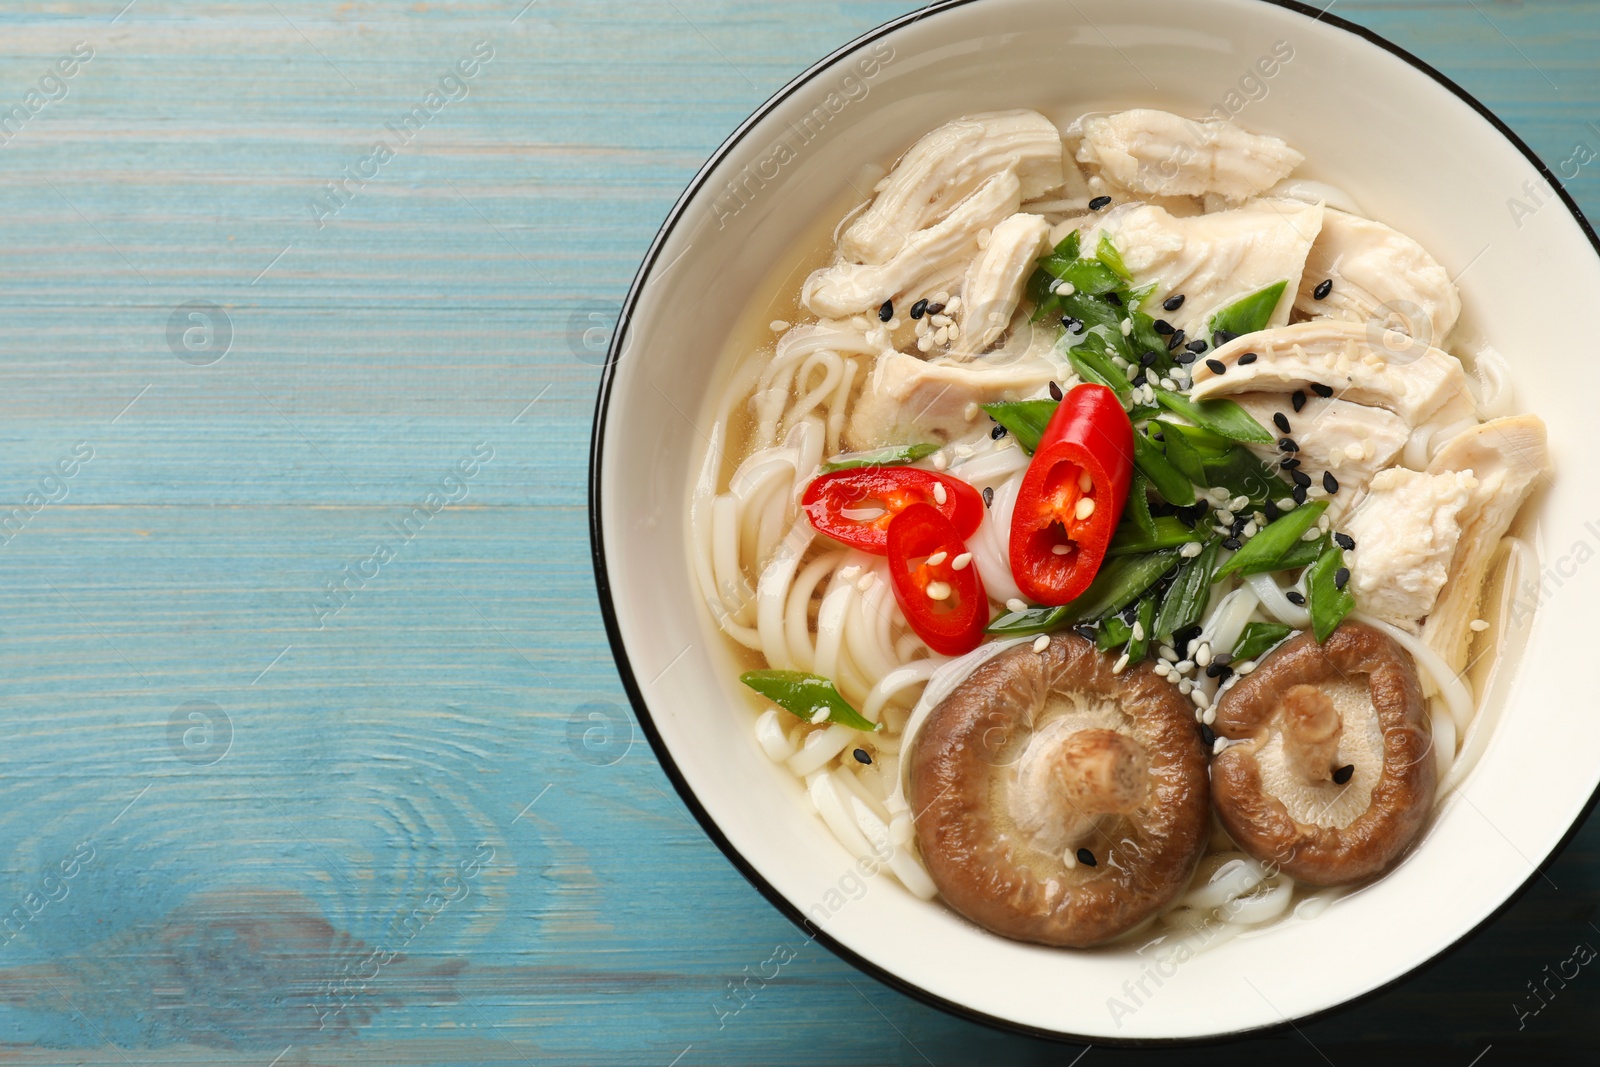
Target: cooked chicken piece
(995, 281)
(944, 168)
(1161, 154)
(1406, 532)
(1211, 259)
(1352, 441)
(1508, 457)
(937, 252)
(907, 399)
(1416, 383)
(1378, 275)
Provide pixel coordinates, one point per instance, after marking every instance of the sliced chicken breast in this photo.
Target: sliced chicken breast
(1162, 154)
(1378, 275)
(1416, 383)
(944, 168)
(1406, 532)
(941, 251)
(1213, 259)
(995, 281)
(1351, 441)
(1508, 457)
(909, 400)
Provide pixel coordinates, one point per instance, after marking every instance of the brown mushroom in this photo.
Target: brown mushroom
(1057, 801)
(1330, 773)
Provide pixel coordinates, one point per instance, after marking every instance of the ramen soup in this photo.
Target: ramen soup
(1119, 526)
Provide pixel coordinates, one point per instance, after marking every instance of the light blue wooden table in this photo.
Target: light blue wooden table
(313, 748)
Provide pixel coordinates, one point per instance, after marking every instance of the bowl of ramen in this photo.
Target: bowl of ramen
(1086, 507)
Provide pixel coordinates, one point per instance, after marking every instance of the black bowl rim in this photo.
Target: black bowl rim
(635, 693)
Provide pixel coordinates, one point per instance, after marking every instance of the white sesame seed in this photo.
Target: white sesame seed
(1202, 655)
(1168, 653)
(1287, 504)
(1223, 530)
(941, 297)
(925, 345)
(1218, 745)
(1244, 668)
(955, 332)
(1138, 631)
(1041, 642)
(1121, 664)
(1200, 697)
(939, 493)
(1127, 327)
(1185, 686)
(866, 581)
(1185, 666)
(938, 557)
(1085, 483)
(1210, 716)
(1066, 288)
(938, 590)
(1239, 503)
(1085, 507)
(961, 562)
(1478, 625)
(1016, 605)
(953, 305)
(1169, 385)
(1069, 859)
(1120, 363)
(1060, 550)
(848, 574)
(943, 336)
(1132, 371)
(941, 319)
(819, 714)
(940, 461)
(1311, 534)
(1190, 550)
(1224, 516)
(1323, 522)
(893, 324)
(777, 325)
(1250, 529)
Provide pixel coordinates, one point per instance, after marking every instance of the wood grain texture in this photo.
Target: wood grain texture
(236, 824)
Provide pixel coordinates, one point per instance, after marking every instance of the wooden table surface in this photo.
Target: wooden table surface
(314, 749)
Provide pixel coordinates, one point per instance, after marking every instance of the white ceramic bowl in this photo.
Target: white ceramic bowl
(1416, 151)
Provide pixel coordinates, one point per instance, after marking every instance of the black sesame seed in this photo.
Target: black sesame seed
(886, 312)
(1341, 577)
(1270, 510)
(1329, 482)
(1296, 598)
(988, 496)
(1232, 544)
(1095, 205)
(1222, 658)
(1197, 346)
(1113, 298)
(1298, 494)
(998, 432)
(1175, 340)
(1286, 444)
(1186, 358)
(1086, 857)
(1222, 337)
(1298, 399)
(1247, 359)
(1208, 735)
(1344, 541)
(1085, 631)
(1072, 325)
(1138, 382)
(1289, 463)
(862, 756)
(919, 309)
(1300, 478)
(1149, 359)
(1164, 328)
(1219, 670)
(935, 309)
(1173, 303)
(1323, 288)
(1217, 366)
(1189, 633)
(1344, 774)
(1323, 391)
(1281, 421)
(1055, 391)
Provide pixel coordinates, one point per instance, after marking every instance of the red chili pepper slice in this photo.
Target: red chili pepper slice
(946, 606)
(855, 507)
(1072, 496)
